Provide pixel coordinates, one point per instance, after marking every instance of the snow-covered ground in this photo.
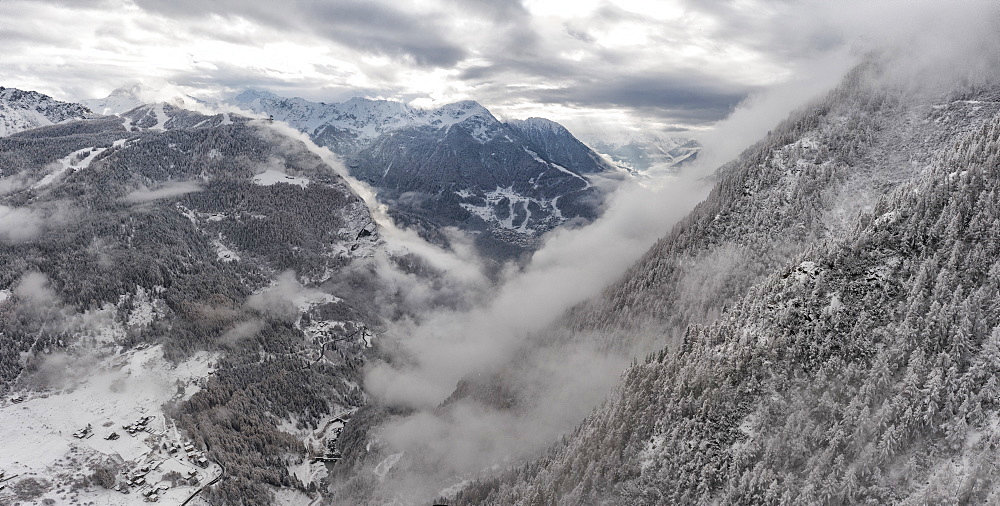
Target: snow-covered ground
(289, 497)
(308, 471)
(75, 161)
(161, 117)
(271, 176)
(224, 253)
(37, 434)
(556, 166)
(515, 203)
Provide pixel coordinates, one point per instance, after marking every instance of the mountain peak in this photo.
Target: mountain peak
(130, 96)
(540, 124)
(250, 94)
(466, 108)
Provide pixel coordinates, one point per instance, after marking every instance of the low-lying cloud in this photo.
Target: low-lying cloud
(507, 342)
(504, 343)
(284, 299)
(168, 190)
(19, 224)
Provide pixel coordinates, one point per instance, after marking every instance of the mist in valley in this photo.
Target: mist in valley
(466, 366)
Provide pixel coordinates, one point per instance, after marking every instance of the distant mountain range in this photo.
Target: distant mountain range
(643, 153)
(458, 165)
(505, 182)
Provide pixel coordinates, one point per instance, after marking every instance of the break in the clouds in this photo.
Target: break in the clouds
(658, 64)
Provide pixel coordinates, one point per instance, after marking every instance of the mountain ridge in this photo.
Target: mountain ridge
(457, 165)
(24, 110)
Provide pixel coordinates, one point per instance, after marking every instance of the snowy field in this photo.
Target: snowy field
(270, 176)
(38, 433)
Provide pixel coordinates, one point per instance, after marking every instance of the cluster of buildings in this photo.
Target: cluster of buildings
(152, 494)
(135, 479)
(142, 424)
(194, 455)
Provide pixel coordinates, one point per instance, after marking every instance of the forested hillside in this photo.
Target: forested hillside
(192, 234)
(804, 184)
(832, 359)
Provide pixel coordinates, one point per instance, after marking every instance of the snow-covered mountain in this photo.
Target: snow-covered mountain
(126, 98)
(641, 153)
(456, 165)
(558, 144)
(348, 126)
(24, 110)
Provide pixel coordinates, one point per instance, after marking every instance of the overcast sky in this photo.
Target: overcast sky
(665, 65)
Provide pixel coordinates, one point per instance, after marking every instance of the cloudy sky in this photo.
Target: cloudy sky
(598, 64)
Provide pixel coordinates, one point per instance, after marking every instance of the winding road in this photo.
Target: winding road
(203, 487)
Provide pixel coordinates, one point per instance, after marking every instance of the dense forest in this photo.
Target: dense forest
(862, 369)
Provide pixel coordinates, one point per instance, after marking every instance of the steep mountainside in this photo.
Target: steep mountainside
(24, 110)
(804, 184)
(457, 165)
(558, 144)
(857, 359)
(173, 266)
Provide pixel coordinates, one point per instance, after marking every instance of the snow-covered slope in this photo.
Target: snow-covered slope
(558, 144)
(24, 110)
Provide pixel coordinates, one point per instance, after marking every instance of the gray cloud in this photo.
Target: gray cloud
(378, 28)
(506, 54)
(670, 65)
(34, 289)
(678, 98)
(241, 331)
(383, 30)
(282, 300)
(18, 224)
